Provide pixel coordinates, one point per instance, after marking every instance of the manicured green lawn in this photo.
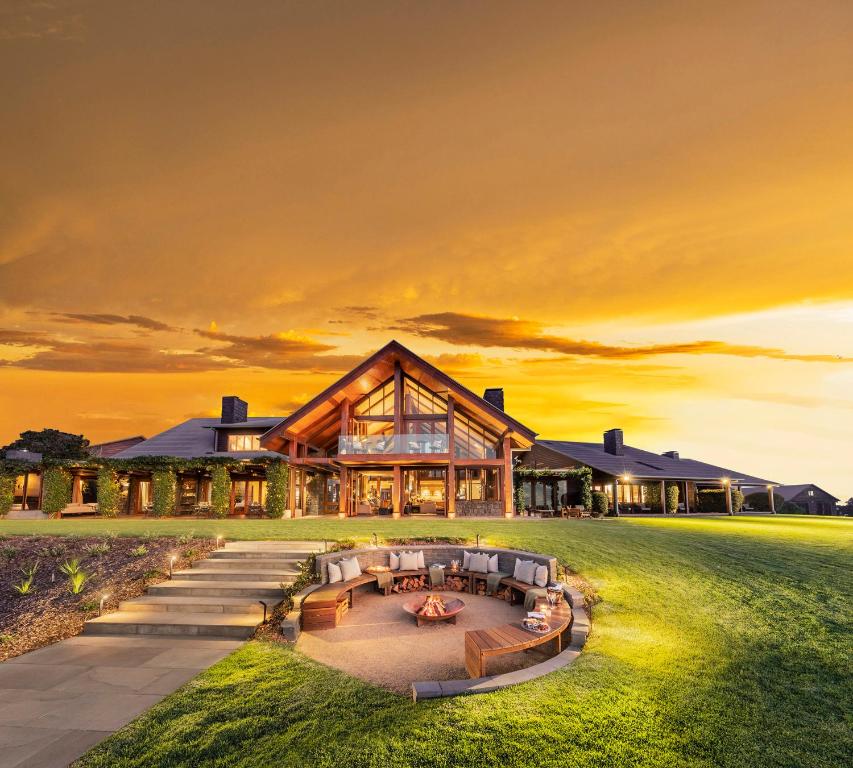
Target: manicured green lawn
(718, 642)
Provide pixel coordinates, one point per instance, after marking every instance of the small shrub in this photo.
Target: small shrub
(7, 494)
(152, 574)
(600, 504)
(30, 571)
(6, 639)
(671, 499)
(278, 478)
(713, 500)
(190, 553)
(109, 492)
(8, 553)
(148, 536)
(97, 549)
(790, 508)
(651, 494)
(71, 567)
(186, 538)
(56, 490)
(25, 587)
(140, 551)
(87, 606)
(54, 550)
(76, 581)
(163, 488)
(220, 491)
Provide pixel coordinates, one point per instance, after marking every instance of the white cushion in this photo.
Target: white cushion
(421, 562)
(479, 563)
(493, 564)
(540, 577)
(525, 570)
(335, 573)
(394, 562)
(466, 560)
(408, 561)
(350, 569)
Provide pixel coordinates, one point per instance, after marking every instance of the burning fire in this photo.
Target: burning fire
(433, 606)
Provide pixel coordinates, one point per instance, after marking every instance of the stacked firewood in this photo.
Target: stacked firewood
(411, 584)
(455, 583)
(502, 593)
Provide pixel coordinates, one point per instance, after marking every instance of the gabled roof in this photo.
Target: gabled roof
(788, 492)
(194, 438)
(323, 411)
(644, 465)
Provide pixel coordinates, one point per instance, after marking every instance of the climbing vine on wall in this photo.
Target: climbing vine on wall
(109, 492)
(56, 490)
(7, 494)
(277, 489)
(163, 482)
(220, 491)
(582, 475)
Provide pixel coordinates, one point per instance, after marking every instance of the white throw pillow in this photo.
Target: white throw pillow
(479, 563)
(540, 577)
(525, 570)
(408, 561)
(421, 561)
(335, 573)
(394, 563)
(493, 564)
(350, 569)
(466, 560)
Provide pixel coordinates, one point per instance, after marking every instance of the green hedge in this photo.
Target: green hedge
(220, 491)
(56, 490)
(672, 498)
(7, 494)
(790, 508)
(278, 477)
(760, 501)
(651, 493)
(713, 500)
(600, 505)
(109, 492)
(164, 492)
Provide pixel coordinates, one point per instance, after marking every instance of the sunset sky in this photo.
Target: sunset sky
(626, 214)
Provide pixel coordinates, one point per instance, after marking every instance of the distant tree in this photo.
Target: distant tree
(52, 444)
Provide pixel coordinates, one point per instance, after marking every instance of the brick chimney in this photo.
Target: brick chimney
(495, 396)
(613, 442)
(671, 454)
(234, 410)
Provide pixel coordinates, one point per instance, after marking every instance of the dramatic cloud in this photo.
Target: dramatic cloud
(107, 319)
(472, 330)
(285, 351)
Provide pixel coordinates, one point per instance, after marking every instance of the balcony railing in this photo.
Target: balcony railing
(392, 444)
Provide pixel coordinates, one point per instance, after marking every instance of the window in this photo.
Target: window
(418, 400)
(244, 442)
(471, 441)
(425, 427)
(478, 484)
(811, 493)
(380, 402)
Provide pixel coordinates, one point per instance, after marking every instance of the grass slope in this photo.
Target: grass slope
(719, 642)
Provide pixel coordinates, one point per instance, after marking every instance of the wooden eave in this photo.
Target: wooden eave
(318, 420)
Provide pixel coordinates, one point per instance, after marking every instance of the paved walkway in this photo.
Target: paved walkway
(59, 701)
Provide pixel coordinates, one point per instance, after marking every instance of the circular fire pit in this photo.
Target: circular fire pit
(433, 608)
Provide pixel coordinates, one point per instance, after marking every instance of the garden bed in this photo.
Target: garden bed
(121, 567)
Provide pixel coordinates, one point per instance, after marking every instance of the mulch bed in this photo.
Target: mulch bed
(50, 612)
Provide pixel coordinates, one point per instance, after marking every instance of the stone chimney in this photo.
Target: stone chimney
(234, 410)
(495, 396)
(671, 454)
(613, 442)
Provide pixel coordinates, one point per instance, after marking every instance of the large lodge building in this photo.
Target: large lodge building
(394, 436)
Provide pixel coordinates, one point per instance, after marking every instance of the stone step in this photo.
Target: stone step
(257, 554)
(244, 574)
(243, 563)
(176, 604)
(186, 588)
(300, 547)
(233, 625)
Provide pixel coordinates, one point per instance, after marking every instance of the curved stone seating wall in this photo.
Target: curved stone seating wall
(434, 553)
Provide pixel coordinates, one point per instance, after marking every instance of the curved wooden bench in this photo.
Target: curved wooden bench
(324, 607)
(480, 644)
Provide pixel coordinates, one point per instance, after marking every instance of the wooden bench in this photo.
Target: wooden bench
(481, 644)
(326, 605)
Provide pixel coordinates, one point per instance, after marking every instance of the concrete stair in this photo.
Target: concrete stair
(220, 596)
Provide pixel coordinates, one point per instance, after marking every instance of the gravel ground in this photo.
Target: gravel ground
(380, 643)
(50, 612)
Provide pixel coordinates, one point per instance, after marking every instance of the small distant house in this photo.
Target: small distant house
(809, 498)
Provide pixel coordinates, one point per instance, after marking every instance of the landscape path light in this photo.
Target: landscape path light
(101, 606)
(171, 564)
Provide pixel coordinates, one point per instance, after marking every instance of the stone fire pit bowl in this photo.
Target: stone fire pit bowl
(453, 608)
